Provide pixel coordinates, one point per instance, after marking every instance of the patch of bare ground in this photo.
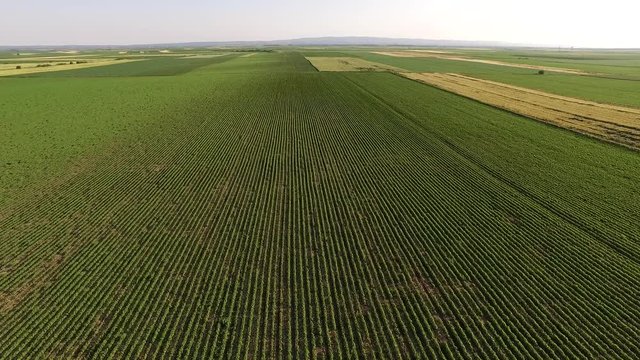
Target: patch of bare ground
(101, 324)
(367, 347)
(46, 273)
(444, 56)
(611, 123)
(319, 351)
(348, 64)
(442, 321)
(424, 287)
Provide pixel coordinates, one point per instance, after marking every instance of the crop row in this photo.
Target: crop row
(302, 216)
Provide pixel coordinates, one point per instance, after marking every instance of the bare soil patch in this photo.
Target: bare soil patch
(612, 123)
(348, 64)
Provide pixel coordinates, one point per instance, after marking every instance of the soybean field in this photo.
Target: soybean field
(253, 207)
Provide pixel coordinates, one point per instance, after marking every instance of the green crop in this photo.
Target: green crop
(256, 208)
(605, 88)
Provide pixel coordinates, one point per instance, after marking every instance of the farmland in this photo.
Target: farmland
(333, 63)
(13, 69)
(618, 86)
(233, 206)
(445, 56)
(612, 123)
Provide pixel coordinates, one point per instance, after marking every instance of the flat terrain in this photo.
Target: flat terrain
(347, 64)
(445, 56)
(618, 84)
(14, 69)
(254, 207)
(612, 123)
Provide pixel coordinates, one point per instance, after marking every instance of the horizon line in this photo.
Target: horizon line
(282, 42)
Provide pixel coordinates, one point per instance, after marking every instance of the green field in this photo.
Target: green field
(607, 88)
(252, 207)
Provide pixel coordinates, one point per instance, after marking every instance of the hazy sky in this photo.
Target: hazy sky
(586, 23)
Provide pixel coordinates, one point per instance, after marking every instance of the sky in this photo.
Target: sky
(586, 23)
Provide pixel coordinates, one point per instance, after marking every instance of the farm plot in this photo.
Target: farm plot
(594, 88)
(17, 69)
(617, 124)
(298, 214)
(203, 56)
(161, 65)
(348, 64)
(444, 56)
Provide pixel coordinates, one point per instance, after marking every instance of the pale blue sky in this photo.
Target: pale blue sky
(587, 23)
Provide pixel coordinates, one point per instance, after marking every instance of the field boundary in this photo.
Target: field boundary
(579, 225)
(614, 124)
(594, 234)
(32, 68)
(444, 56)
(348, 64)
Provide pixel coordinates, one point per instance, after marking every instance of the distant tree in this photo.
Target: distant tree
(18, 67)
(540, 72)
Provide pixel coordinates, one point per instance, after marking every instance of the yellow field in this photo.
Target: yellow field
(203, 56)
(68, 57)
(608, 122)
(431, 51)
(444, 56)
(348, 64)
(32, 68)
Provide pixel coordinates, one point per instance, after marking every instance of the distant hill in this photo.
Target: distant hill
(380, 41)
(357, 41)
(319, 41)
